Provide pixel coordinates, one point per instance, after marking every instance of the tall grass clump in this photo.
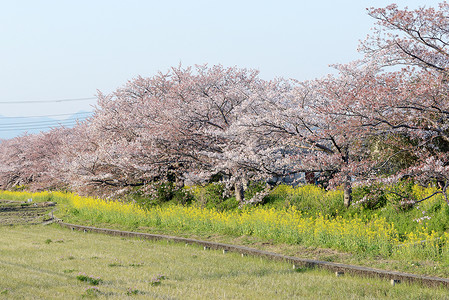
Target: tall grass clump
(401, 204)
(213, 196)
(309, 199)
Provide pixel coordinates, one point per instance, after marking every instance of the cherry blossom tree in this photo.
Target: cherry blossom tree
(312, 122)
(412, 104)
(407, 113)
(411, 38)
(13, 162)
(177, 125)
(32, 160)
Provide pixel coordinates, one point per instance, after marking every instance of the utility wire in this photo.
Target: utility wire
(43, 116)
(28, 124)
(47, 101)
(21, 127)
(46, 123)
(38, 127)
(37, 122)
(24, 127)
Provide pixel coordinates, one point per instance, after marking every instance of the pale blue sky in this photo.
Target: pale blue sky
(68, 49)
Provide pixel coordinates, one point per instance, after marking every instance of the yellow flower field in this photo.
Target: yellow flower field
(289, 225)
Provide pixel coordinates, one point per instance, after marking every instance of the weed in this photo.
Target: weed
(116, 263)
(300, 269)
(136, 264)
(89, 279)
(91, 291)
(132, 291)
(157, 280)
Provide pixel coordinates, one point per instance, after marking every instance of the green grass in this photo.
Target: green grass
(369, 241)
(387, 237)
(48, 262)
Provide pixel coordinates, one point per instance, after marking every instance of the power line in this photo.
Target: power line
(44, 116)
(32, 124)
(38, 127)
(27, 124)
(49, 122)
(47, 101)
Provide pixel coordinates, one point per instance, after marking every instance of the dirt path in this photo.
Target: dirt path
(21, 213)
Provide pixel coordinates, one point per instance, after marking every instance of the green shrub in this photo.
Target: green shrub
(369, 197)
(19, 188)
(213, 195)
(182, 196)
(160, 193)
(89, 279)
(253, 188)
(310, 199)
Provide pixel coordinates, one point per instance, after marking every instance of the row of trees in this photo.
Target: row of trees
(382, 118)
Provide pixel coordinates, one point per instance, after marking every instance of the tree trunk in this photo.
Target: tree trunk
(347, 192)
(238, 188)
(179, 182)
(445, 192)
(245, 183)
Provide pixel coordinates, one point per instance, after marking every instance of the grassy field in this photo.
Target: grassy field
(357, 240)
(47, 262)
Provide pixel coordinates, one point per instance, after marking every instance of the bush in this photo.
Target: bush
(310, 199)
(160, 193)
(369, 197)
(213, 195)
(402, 210)
(253, 188)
